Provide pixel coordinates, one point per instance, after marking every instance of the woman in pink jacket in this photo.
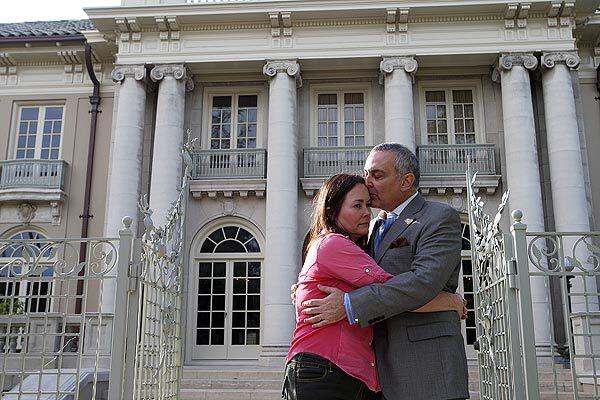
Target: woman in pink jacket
(337, 361)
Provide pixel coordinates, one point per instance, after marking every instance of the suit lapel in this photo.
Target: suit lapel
(400, 225)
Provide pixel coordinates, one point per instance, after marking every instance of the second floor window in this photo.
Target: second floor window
(341, 119)
(450, 116)
(234, 122)
(39, 132)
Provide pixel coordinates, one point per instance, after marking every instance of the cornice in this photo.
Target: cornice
(570, 59)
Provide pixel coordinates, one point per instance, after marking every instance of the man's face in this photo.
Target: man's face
(387, 188)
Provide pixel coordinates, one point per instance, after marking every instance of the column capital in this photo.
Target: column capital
(137, 72)
(177, 71)
(291, 67)
(389, 64)
(569, 58)
(526, 60)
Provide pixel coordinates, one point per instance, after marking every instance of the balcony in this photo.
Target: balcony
(320, 163)
(33, 180)
(226, 172)
(443, 167)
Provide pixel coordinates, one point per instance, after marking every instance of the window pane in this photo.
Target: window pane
(441, 111)
(442, 127)
(430, 111)
(29, 113)
(222, 102)
(242, 115)
(53, 113)
(459, 126)
(435, 96)
(462, 96)
(469, 125)
(353, 98)
(468, 110)
(431, 127)
(252, 115)
(248, 101)
(327, 99)
(458, 111)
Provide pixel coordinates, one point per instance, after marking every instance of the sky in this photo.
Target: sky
(48, 10)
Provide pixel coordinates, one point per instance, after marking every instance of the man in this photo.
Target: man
(420, 356)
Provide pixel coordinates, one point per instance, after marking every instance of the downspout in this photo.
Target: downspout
(85, 215)
(597, 82)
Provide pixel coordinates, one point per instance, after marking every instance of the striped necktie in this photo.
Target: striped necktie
(383, 228)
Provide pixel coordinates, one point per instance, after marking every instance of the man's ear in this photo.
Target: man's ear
(407, 181)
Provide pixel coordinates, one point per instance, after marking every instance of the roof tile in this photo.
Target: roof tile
(45, 28)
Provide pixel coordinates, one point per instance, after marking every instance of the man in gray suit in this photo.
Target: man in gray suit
(420, 356)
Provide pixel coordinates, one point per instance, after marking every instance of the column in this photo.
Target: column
(399, 112)
(124, 178)
(282, 257)
(569, 200)
(522, 169)
(168, 138)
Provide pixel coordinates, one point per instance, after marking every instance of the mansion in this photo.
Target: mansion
(279, 95)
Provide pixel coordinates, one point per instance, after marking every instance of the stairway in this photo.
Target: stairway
(262, 383)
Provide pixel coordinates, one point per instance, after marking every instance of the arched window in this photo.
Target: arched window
(31, 249)
(21, 290)
(230, 239)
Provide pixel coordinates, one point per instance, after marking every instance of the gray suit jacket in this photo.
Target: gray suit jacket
(420, 356)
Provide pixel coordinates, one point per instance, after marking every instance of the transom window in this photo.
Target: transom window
(450, 116)
(234, 121)
(230, 239)
(340, 119)
(39, 132)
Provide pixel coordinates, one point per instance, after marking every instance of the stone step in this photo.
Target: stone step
(229, 394)
(265, 384)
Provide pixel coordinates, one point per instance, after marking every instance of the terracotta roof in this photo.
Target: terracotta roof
(45, 29)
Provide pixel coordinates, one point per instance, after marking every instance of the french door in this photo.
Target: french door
(227, 318)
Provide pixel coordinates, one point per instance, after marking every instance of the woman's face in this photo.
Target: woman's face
(355, 213)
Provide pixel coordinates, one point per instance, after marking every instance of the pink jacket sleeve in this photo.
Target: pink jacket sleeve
(342, 259)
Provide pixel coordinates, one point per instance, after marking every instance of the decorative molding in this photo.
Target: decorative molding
(527, 60)
(137, 72)
(73, 66)
(515, 21)
(8, 75)
(168, 33)
(26, 212)
(570, 59)
(390, 64)
(228, 188)
(130, 35)
(559, 19)
(55, 212)
(396, 26)
(281, 29)
(291, 67)
(6, 60)
(177, 71)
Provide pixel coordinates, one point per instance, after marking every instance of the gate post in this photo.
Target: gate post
(115, 386)
(519, 235)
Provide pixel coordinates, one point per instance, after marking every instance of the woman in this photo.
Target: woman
(337, 361)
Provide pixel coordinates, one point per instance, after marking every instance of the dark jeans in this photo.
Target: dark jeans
(312, 377)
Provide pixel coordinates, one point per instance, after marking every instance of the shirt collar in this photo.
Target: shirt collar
(398, 210)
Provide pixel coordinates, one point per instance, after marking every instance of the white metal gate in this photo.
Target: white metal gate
(513, 364)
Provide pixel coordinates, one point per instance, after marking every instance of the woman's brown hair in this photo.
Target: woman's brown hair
(327, 206)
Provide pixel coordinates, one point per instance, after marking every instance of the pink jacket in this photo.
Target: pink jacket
(334, 260)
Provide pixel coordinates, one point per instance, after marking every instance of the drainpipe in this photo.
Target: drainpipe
(85, 215)
(597, 82)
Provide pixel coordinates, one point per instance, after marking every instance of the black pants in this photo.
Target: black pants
(312, 377)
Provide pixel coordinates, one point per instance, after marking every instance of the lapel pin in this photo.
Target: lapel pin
(409, 221)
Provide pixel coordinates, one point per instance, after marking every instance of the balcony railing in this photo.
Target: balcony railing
(239, 163)
(452, 159)
(32, 174)
(327, 161)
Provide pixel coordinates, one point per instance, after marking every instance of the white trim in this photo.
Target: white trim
(340, 89)
(447, 86)
(261, 114)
